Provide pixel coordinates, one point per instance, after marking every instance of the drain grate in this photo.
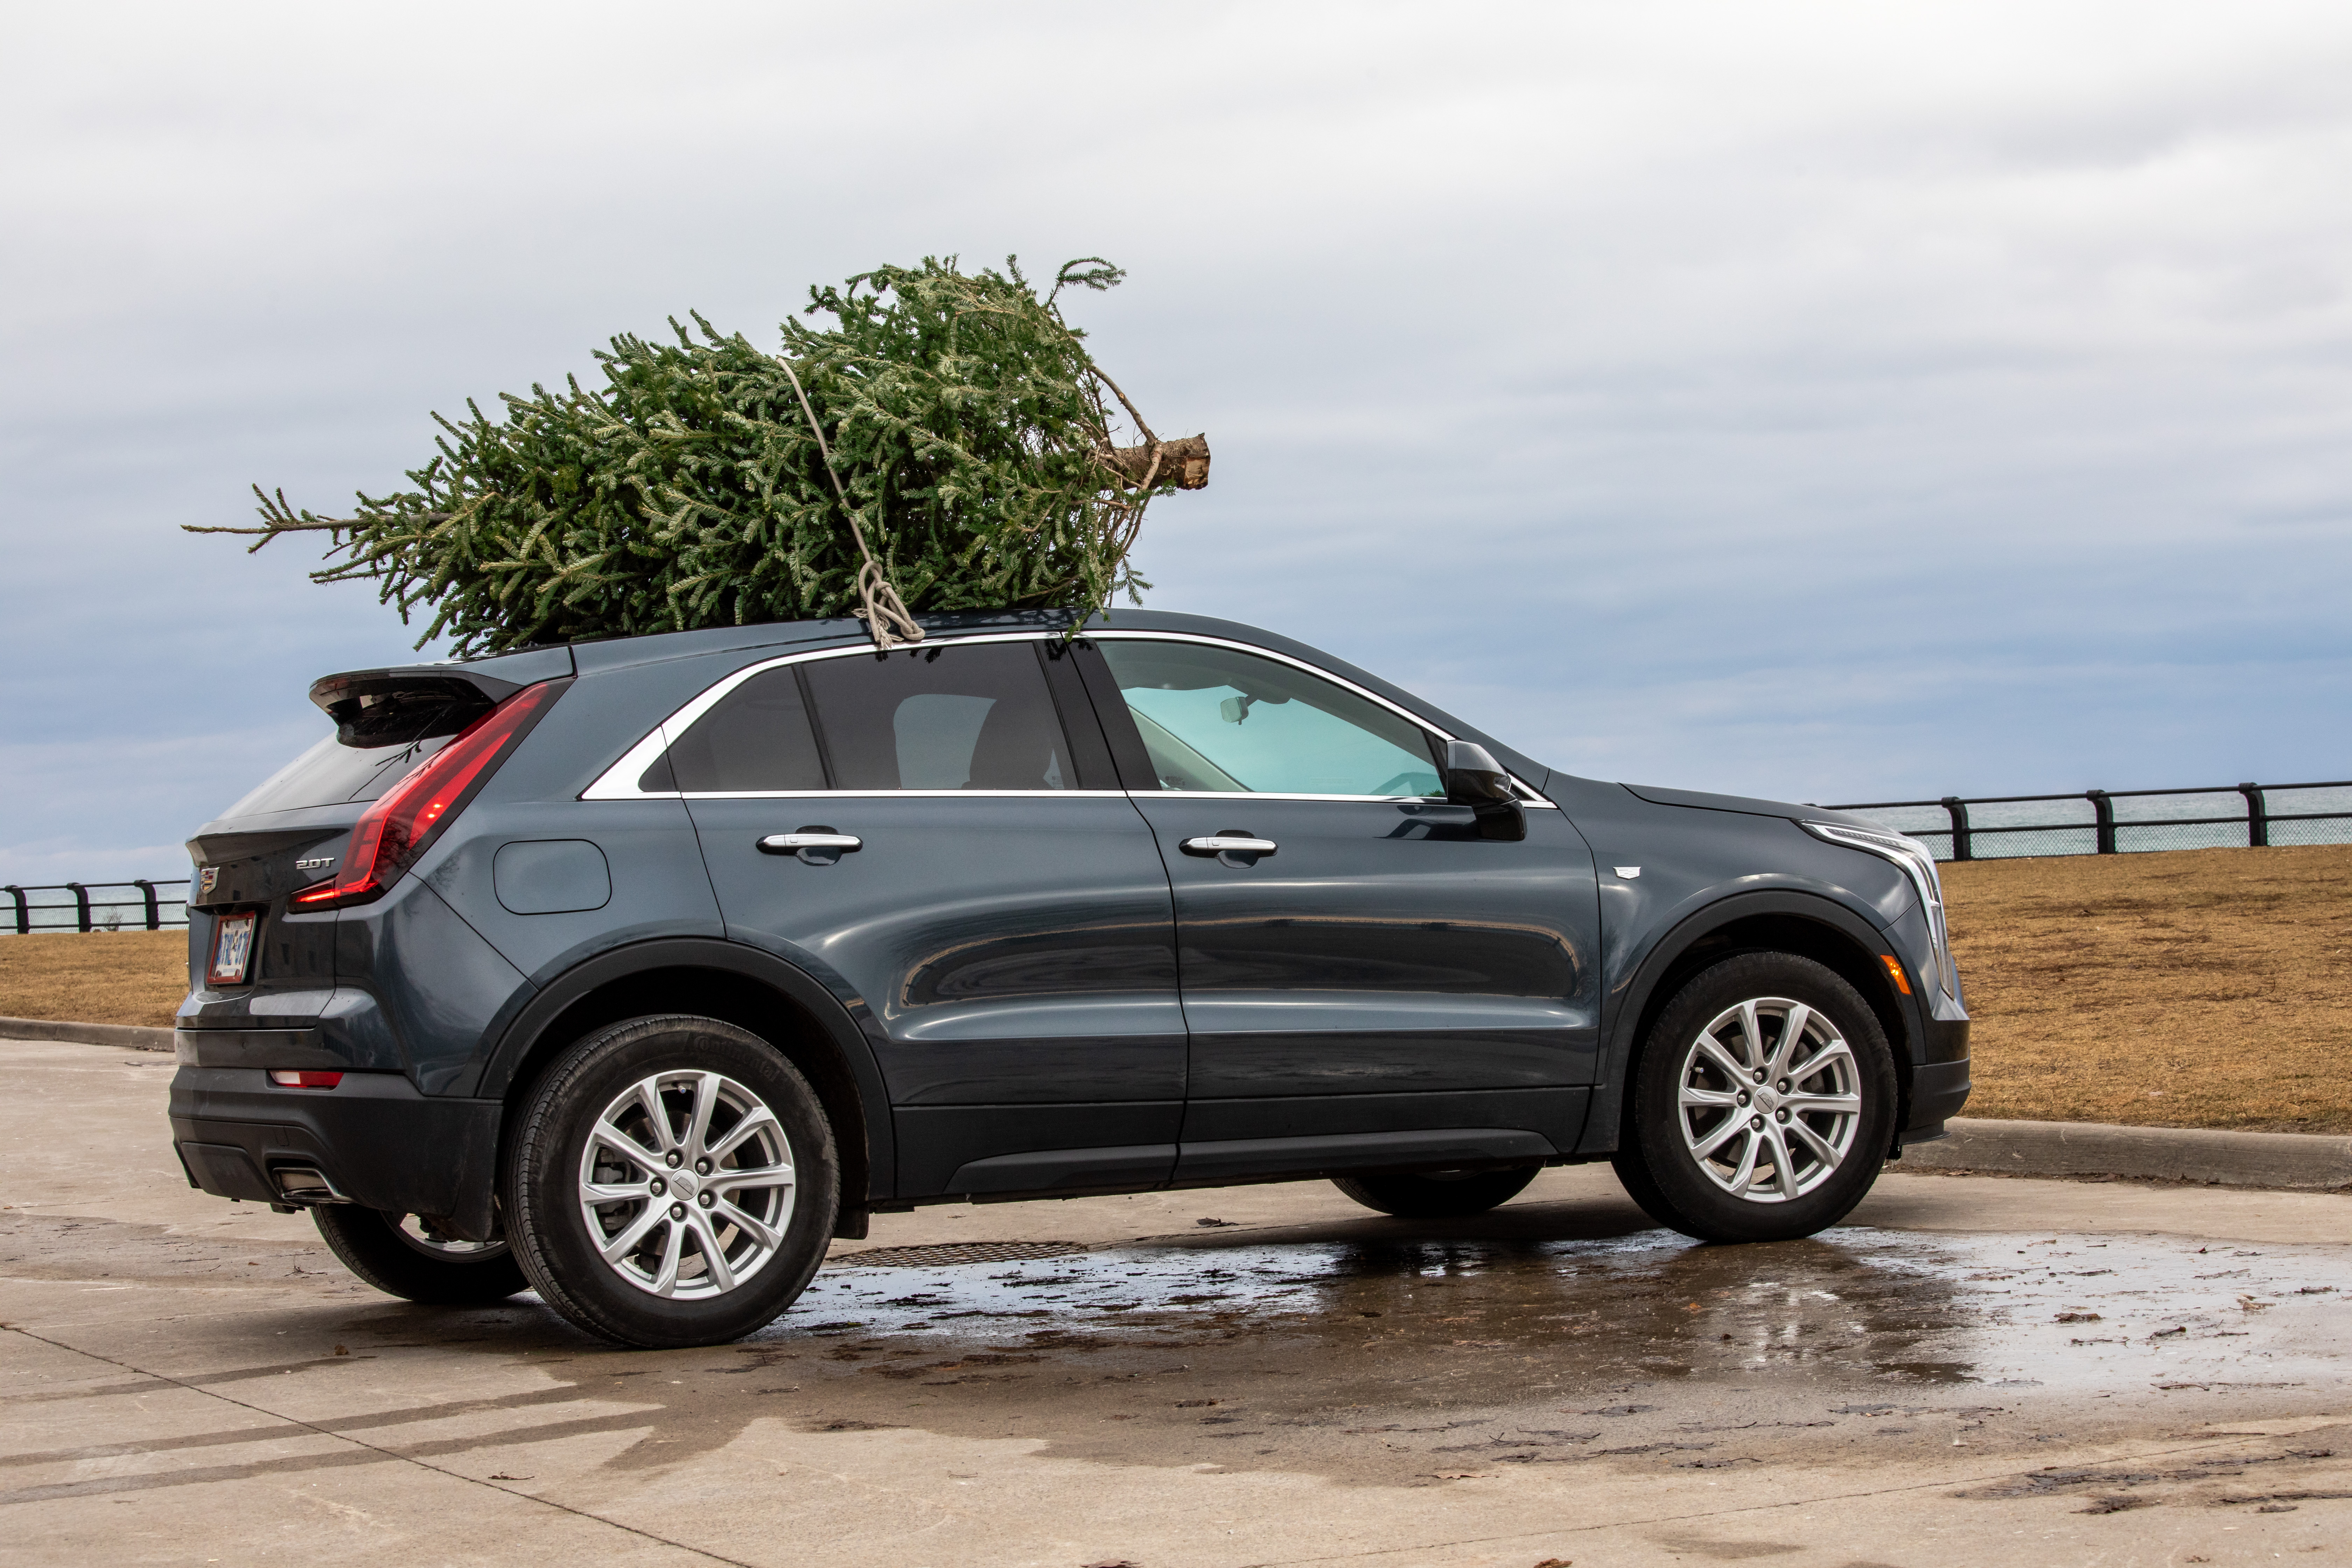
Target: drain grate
(946, 1253)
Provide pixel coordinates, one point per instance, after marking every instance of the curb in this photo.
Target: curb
(129, 1036)
(2297, 1160)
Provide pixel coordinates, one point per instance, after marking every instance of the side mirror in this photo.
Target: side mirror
(1473, 775)
(1475, 779)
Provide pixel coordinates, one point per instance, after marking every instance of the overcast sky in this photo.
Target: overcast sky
(1831, 402)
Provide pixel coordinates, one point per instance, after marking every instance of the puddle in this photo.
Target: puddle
(1403, 1360)
(2067, 1314)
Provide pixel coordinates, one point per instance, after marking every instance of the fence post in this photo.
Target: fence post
(2258, 816)
(24, 911)
(154, 915)
(1962, 849)
(81, 904)
(2103, 812)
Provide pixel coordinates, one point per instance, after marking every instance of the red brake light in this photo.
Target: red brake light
(397, 828)
(290, 1077)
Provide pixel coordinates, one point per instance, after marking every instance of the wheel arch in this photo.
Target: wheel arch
(1804, 924)
(736, 985)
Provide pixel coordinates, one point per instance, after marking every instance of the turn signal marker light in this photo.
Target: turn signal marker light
(1894, 973)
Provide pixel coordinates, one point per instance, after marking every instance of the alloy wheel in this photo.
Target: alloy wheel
(1769, 1099)
(687, 1185)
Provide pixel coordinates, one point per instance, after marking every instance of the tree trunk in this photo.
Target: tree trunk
(1186, 462)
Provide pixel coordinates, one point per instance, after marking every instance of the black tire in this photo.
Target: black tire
(1656, 1160)
(550, 1223)
(1438, 1195)
(378, 1247)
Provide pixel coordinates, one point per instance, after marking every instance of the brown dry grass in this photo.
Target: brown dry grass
(2192, 988)
(104, 977)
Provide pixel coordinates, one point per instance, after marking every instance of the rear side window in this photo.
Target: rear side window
(974, 717)
(756, 739)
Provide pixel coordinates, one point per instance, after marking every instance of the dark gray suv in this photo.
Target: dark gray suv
(632, 972)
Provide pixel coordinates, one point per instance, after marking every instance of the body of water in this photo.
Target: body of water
(2143, 823)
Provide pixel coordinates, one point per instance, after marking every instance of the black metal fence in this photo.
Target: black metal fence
(2122, 822)
(1976, 828)
(147, 907)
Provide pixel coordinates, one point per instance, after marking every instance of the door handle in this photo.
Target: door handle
(1230, 843)
(814, 846)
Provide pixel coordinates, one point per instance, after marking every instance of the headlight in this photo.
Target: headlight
(1921, 867)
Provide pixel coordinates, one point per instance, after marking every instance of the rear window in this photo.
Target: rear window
(330, 774)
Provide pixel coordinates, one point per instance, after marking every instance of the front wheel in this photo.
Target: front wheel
(672, 1181)
(1763, 1104)
(1440, 1194)
(407, 1256)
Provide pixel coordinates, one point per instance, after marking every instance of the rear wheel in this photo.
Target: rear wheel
(1438, 1195)
(672, 1181)
(410, 1256)
(1763, 1104)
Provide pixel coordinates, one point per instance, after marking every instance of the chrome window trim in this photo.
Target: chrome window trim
(897, 795)
(619, 781)
(1271, 795)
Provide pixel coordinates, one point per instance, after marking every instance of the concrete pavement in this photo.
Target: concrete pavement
(1995, 1369)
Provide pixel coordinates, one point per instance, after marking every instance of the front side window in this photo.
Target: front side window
(971, 717)
(1218, 719)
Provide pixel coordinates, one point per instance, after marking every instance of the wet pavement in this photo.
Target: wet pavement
(1263, 1376)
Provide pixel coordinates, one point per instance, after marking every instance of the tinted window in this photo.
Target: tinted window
(332, 772)
(757, 738)
(1215, 718)
(976, 717)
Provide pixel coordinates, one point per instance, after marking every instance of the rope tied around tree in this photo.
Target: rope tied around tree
(885, 614)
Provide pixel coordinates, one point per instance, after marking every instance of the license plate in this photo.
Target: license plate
(232, 948)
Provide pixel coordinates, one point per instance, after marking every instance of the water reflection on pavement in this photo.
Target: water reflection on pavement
(2066, 1313)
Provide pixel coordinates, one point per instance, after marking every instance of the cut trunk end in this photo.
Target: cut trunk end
(1183, 463)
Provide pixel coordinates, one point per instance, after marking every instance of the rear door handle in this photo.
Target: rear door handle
(786, 843)
(1230, 843)
(814, 846)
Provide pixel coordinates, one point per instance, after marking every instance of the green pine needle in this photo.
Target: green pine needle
(966, 421)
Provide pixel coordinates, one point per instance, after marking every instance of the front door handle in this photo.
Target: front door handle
(814, 846)
(1233, 846)
(1230, 843)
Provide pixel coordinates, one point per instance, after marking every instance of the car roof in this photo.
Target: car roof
(586, 658)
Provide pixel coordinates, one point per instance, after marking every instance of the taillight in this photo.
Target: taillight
(303, 1078)
(401, 826)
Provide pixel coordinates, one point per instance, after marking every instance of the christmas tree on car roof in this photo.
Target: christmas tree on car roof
(946, 444)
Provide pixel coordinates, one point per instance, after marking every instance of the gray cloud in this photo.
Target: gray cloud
(1840, 400)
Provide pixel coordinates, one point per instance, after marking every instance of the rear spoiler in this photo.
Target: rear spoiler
(404, 705)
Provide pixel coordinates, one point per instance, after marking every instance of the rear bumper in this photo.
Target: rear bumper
(378, 1142)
